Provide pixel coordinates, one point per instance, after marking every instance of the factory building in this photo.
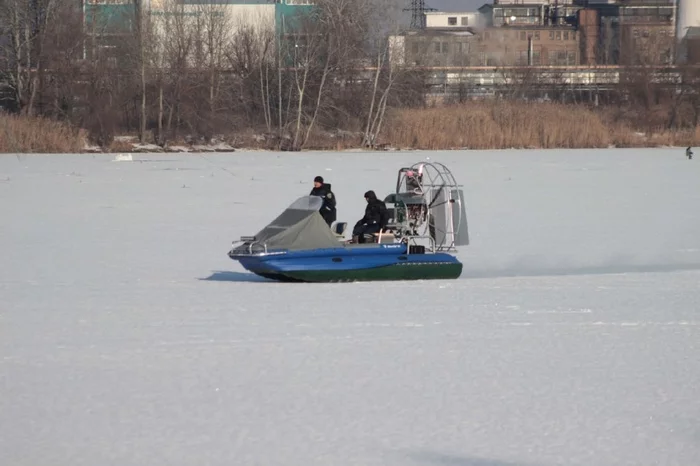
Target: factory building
(558, 33)
(688, 32)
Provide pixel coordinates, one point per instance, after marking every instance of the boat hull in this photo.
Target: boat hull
(347, 264)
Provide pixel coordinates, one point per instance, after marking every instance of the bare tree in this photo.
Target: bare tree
(140, 53)
(389, 64)
(178, 32)
(344, 25)
(251, 59)
(213, 34)
(644, 53)
(29, 26)
(385, 67)
(305, 52)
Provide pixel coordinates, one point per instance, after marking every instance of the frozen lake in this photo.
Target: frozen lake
(128, 337)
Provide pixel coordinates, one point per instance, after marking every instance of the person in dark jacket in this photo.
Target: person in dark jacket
(689, 153)
(375, 219)
(323, 190)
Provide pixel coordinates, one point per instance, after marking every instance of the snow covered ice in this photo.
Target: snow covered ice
(128, 337)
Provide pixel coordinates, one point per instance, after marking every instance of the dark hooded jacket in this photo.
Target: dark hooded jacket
(375, 212)
(328, 210)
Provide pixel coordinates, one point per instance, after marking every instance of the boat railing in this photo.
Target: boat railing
(251, 241)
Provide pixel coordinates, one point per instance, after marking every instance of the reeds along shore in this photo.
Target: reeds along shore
(501, 125)
(20, 134)
(474, 125)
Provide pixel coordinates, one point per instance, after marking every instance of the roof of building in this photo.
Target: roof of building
(462, 31)
(491, 6)
(452, 13)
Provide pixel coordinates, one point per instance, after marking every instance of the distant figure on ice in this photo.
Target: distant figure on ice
(689, 153)
(375, 219)
(323, 190)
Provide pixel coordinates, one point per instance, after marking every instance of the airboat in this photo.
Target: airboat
(427, 222)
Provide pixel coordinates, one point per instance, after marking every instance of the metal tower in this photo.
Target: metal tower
(418, 10)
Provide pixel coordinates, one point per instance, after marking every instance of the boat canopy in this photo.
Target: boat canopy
(300, 226)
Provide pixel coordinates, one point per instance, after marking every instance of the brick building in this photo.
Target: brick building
(537, 46)
(434, 47)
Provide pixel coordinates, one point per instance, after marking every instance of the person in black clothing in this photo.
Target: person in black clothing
(375, 219)
(689, 153)
(323, 190)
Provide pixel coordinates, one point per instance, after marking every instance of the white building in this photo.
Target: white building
(442, 19)
(546, 2)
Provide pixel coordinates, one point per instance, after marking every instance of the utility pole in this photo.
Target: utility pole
(418, 10)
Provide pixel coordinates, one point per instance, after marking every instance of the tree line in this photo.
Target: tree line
(197, 71)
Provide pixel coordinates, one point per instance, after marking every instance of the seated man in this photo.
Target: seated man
(375, 219)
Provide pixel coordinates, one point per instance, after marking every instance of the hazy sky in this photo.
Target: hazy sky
(454, 5)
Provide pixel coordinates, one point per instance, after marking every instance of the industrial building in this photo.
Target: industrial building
(583, 48)
(688, 32)
(556, 33)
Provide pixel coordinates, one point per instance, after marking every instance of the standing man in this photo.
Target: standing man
(323, 190)
(689, 153)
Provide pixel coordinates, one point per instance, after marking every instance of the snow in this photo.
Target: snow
(128, 337)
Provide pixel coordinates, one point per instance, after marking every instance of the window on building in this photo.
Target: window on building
(562, 57)
(558, 35)
(452, 20)
(445, 47)
(537, 35)
(566, 35)
(551, 35)
(523, 36)
(536, 57)
(465, 20)
(437, 47)
(522, 58)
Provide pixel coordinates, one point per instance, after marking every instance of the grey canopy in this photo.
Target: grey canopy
(300, 226)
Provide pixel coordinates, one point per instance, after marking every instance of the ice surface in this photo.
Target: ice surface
(128, 337)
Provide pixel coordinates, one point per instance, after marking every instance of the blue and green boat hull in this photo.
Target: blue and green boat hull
(372, 262)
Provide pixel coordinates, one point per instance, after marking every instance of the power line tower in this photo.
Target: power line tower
(418, 10)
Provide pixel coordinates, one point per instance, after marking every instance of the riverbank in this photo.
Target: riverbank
(474, 125)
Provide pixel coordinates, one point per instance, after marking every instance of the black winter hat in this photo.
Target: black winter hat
(318, 179)
(370, 195)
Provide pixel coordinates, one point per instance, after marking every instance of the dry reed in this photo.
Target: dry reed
(20, 134)
(497, 125)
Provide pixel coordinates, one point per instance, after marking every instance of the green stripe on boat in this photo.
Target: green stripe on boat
(404, 271)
